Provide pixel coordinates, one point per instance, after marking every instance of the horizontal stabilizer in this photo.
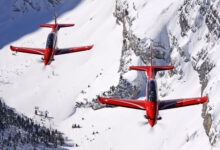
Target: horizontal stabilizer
(156, 68)
(151, 70)
(142, 68)
(56, 25)
(65, 25)
(161, 68)
(48, 25)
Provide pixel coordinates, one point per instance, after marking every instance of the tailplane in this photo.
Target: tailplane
(56, 26)
(151, 70)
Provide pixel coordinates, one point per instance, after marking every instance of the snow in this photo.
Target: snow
(26, 83)
(69, 73)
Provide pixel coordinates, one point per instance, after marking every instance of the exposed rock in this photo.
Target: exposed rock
(212, 21)
(203, 69)
(24, 5)
(207, 12)
(134, 45)
(183, 24)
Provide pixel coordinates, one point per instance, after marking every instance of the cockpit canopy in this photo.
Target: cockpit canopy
(51, 40)
(152, 90)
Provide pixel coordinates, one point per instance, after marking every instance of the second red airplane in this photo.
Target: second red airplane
(51, 46)
(152, 105)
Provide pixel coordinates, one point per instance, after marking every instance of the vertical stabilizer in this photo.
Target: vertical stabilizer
(55, 27)
(151, 58)
(55, 16)
(151, 70)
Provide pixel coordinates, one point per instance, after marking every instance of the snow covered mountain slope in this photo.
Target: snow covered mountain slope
(182, 33)
(69, 73)
(26, 15)
(20, 132)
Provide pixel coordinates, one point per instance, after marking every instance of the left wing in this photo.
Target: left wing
(28, 50)
(167, 104)
(72, 50)
(137, 104)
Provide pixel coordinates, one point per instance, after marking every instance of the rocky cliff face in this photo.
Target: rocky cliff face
(194, 17)
(205, 16)
(25, 5)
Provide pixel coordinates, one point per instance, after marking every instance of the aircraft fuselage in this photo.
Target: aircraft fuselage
(152, 102)
(50, 48)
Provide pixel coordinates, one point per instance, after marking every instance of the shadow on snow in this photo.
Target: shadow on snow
(13, 28)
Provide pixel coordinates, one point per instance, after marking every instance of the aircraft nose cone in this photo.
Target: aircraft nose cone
(151, 122)
(45, 62)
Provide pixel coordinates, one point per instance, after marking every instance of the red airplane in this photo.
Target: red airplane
(51, 46)
(152, 105)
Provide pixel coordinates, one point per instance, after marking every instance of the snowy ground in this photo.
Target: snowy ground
(55, 87)
(26, 83)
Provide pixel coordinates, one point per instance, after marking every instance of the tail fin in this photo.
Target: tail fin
(151, 57)
(151, 70)
(55, 16)
(56, 25)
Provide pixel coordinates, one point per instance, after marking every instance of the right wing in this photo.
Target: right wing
(28, 50)
(168, 104)
(73, 49)
(137, 104)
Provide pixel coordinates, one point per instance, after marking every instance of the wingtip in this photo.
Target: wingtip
(131, 68)
(91, 46)
(71, 25)
(100, 99)
(205, 98)
(12, 47)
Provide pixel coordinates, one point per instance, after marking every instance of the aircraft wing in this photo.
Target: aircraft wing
(72, 50)
(137, 104)
(28, 50)
(168, 104)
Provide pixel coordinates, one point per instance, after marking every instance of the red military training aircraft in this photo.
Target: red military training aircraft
(51, 46)
(152, 105)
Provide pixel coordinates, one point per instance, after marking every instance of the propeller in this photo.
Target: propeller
(143, 123)
(151, 130)
(14, 53)
(44, 67)
(160, 124)
(40, 60)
